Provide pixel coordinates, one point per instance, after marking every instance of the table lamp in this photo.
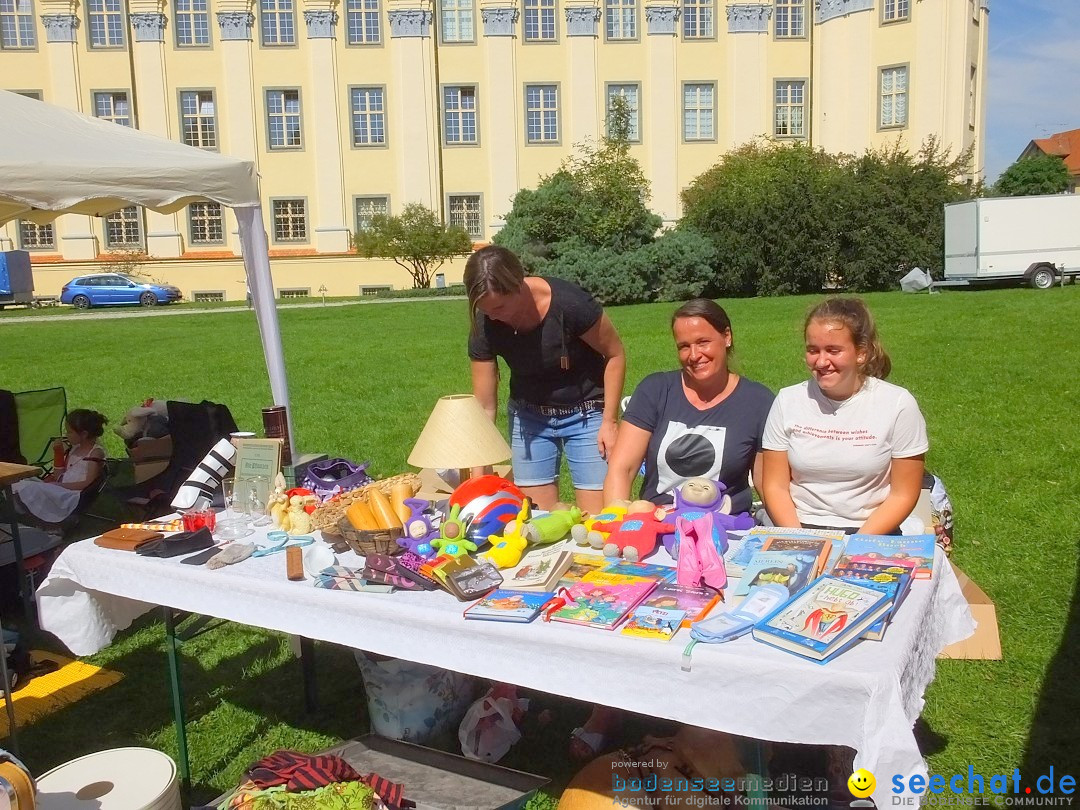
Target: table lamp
(458, 434)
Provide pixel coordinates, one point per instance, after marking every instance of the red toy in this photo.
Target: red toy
(635, 536)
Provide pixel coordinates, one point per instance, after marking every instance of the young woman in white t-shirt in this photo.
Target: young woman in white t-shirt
(844, 449)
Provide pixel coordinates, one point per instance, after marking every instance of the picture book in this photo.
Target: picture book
(603, 600)
(508, 605)
(540, 569)
(890, 579)
(695, 602)
(740, 551)
(821, 545)
(824, 619)
(916, 547)
(640, 569)
(580, 565)
(655, 623)
(791, 568)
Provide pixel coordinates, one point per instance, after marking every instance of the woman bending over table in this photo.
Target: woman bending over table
(702, 420)
(566, 366)
(844, 449)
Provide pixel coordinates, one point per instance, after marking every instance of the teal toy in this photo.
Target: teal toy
(552, 527)
(452, 539)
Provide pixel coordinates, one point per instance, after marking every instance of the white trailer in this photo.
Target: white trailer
(1033, 240)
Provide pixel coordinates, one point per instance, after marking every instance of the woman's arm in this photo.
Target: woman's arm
(625, 461)
(603, 338)
(776, 488)
(485, 385)
(905, 481)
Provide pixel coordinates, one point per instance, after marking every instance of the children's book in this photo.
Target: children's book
(791, 568)
(507, 605)
(740, 551)
(580, 565)
(693, 601)
(824, 619)
(655, 623)
(917, 548)
(603, 600)
(540, 569)
(821, 545)
(891, 579)
(640, 569)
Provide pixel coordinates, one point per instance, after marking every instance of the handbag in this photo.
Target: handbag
(326, 478)
(127, 539)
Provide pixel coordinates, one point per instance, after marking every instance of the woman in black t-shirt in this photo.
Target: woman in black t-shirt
(566, 366)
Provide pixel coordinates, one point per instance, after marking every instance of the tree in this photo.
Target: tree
(416, 240)
(1038, 174)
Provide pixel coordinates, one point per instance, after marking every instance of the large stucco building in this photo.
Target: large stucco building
(360, 106)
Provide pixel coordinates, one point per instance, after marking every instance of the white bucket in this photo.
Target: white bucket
(118, 779)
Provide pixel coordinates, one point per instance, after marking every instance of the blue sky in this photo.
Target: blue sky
(1033, 76)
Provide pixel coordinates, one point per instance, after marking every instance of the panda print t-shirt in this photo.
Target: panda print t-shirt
(718, 443)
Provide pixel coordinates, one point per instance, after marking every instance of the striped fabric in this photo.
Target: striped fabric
(300, 771)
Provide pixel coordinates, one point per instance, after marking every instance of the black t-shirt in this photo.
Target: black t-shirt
(536, 375)
(718, 443)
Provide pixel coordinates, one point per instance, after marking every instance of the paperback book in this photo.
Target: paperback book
(603, 600)
(508, 605)
(791, 568)
(695, 602)
(540, 569)
(580, 565)
(660, 624)
(740, 551)
(820, 545)
(915, 548)
(824, 619)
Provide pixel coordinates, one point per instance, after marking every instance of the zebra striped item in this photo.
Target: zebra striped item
(203, 483)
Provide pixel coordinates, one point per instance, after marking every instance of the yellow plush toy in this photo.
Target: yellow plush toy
(585, 533)
(506, 551)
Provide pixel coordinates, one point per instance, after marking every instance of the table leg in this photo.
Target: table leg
(307, 668)
(172, 651)
(20, 568)
(9, 700)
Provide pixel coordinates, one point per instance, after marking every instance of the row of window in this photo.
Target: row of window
(206, 222)
(278, 22)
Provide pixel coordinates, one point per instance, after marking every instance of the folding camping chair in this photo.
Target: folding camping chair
(40, 417)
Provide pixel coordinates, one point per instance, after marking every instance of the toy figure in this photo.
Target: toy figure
(505, 551)
(553, 526)
(278, 502)
(452, 538)
(420, 530)
(697, 496)
(299, 520)
(585, 533)
(701, 546)
(635, 536)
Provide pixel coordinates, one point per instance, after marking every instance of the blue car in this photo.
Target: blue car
(105, 289)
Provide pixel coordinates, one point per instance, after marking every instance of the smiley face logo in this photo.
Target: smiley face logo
(861, 783)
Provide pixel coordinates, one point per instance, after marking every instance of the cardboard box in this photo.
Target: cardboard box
(986, 643)
(150, 457)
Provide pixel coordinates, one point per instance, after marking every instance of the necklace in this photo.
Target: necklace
(834, 405)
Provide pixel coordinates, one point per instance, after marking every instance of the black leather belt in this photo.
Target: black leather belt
(559, 410)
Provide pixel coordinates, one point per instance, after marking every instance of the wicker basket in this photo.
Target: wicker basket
(327, 517)
(377, 541)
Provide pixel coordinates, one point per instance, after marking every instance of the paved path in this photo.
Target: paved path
(162, 311)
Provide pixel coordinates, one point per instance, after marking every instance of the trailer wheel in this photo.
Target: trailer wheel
(1043, 278)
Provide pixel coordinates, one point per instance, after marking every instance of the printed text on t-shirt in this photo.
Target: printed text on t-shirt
(859, 437)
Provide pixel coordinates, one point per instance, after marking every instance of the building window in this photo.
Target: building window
(542, 113)
(198, 122)
(697, 19)
(629, 93)
(894, 97)
(295, 292)
(539, 20)
(362, 17)
(17, 24)
(34, 94)
(290, 220)
(973, 109)
(113, 107)
(895, 10)
(699, 112)
(368, 116)
(790, 16)
(457, 21)
(459, 114)
(465, 213)
(621, 19)
(36, 237)
(369, 207)
(106, 23)
(790, 110)
(207, 223)
(372, 290)
(123, 228)
(207, 296)
(283, 118)
(192, 23)
(278, 22)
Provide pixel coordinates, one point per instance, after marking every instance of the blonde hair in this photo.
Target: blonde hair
(491, 269)
(853, 314)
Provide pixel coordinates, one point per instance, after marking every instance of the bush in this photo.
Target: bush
(1036, 174)
(424, 292)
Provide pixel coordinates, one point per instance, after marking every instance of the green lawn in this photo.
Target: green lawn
(995, 373)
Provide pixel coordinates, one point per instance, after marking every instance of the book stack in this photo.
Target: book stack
(894, 580)
(915, 551)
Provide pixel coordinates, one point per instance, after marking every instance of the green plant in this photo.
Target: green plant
(415, 239)
(1035, 174)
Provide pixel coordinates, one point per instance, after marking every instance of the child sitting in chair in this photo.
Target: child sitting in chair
(55, 497)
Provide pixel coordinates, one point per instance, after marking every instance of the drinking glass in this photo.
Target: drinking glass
(234, 520)
(256, 494)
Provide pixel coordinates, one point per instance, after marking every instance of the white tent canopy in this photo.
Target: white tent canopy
(55, 161)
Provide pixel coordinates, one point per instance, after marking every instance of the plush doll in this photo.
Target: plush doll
(586, 534)
(299, 520)
(505, 551)
(552, 527)
(149, 420)
(452, 539)
(420, 530)
(636, 535)
(698, 496)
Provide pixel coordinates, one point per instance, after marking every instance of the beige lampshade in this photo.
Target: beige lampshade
(458, 434)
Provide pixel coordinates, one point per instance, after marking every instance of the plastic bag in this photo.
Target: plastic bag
(488, 730)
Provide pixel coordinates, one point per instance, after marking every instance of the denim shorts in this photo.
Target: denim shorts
(538, 443)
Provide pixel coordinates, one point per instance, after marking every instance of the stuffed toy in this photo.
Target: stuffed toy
(278, 505)
(452, 539)
(420, 529)
(546, 529)
(698, 496)
(635, 535)
(505, 551)
(586, 534)
(147, 421)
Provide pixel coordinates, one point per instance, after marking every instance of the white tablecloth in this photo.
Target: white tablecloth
(868, 698)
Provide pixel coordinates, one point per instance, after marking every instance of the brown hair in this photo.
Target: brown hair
(709, 311)
(853, 314)
(491, 269)
(85, 421)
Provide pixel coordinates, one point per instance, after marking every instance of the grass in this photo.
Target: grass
(994, 372)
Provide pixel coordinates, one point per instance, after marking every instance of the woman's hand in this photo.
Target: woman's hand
(605, 437)
(905, 482)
